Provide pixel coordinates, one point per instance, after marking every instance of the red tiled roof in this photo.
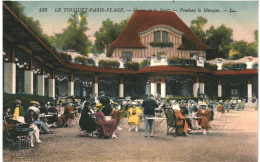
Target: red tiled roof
(173, 69)
(237, 72)
(143, 20)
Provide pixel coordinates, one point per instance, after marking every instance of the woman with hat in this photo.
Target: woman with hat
(106, 127)
(87, 121)
(134, 117)
(18, 111)
(205, 117)
(181, 123)
(116, 114)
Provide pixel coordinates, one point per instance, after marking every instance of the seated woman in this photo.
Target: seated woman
(181, 123)
(87, 120)
(134, 117)
(205, 115)
(107, 127)
(220, 107)
(66, 115)
(116, 114)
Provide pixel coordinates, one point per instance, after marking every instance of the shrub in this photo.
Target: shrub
(255, 66)
(109, 64)
(144, 64)
(9, 99)
(84, 61)
(210, 66)
(65, 57)
(138, 96)
(233, 66)
(132, 65)
(177, 61)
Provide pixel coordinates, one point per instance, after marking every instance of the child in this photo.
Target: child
(134, 117)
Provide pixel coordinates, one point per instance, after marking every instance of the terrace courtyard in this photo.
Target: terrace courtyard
(239, 142)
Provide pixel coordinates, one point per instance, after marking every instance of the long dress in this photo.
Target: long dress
(181, 127)
(205, 118)
(86, 121)
(107, 127)
(134, 118)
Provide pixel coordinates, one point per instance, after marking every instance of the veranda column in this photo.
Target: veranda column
(163, 87)
(96, 86)
(71, 85)
(10, 73)
(202, 85)
(153, 86)
(121, 87)
(41, 83)
(219, 88)
(249, 90)
(52, 85)
(28, 79)
(196, 87)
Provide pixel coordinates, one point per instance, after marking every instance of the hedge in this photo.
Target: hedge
(9, 99)
(138, 96)
(233, 66)
(210, 66)
(109, 64)
(65, 57)
(132, 65)
(84, 61)
(144, 64)
(177, 61)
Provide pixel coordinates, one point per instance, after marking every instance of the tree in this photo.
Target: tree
(74, 37)
(220, 40)
(197, 27)
(107, 34)
(34, 25)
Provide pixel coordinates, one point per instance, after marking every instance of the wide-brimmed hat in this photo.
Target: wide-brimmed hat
(17, 102)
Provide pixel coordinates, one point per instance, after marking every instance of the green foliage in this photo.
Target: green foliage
(197, 27)
(74, 37)
(210, 66)
(235, 57)
(65, 57)
(233, 66)
(144, 64)
(84, 60)
(9, 99)
(34, 25)
(107, 34)
(138, 96)
(220, 40)
(161, 44)
(109, 64)
(178, 98)
(177, 61)
(132, 65)
(242, 48)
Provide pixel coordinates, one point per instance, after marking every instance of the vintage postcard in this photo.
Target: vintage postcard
(130, 80)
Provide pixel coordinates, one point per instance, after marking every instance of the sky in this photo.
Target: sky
(243, 22)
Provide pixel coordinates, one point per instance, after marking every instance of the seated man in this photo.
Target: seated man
(181, 123)
(205, 117)
(53, 111)
(32, 116)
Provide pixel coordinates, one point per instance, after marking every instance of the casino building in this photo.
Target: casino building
(30, 66)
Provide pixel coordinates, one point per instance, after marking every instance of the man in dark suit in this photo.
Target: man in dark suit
(105, 101)
(149, 105)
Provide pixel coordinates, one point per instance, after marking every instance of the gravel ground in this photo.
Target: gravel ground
(239, 142)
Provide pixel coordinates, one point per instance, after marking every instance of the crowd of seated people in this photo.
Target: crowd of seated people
(104, 116)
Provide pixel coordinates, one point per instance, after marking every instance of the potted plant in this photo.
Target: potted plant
(144, 64)
(210, 66)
